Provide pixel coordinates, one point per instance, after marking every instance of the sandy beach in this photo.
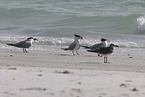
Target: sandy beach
(59, 74)
(56, 26)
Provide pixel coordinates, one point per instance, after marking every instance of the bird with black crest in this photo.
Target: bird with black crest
(105, 51)
(23, 44)
(75, 45)
(104, 43)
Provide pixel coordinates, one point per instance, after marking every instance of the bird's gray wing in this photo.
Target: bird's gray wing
(105, 50)
(97, 46)
(23, 44)
(72, 46)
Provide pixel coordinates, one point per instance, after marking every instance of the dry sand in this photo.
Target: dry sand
(50, 74)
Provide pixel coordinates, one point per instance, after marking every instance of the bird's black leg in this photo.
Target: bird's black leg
(23, 50)
(77, 52)
(105, 59)
(73, 53)
(26, 51)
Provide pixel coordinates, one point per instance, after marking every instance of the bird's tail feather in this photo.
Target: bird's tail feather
(65, 48)
(10, 44)
(91, 50)
(85, 46)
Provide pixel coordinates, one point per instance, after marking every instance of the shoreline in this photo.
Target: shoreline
(67, 60)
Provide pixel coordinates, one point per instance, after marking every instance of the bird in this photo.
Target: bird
(98, 45)
(75, 45)
(105, 51)
(104, 43)
(23, 44)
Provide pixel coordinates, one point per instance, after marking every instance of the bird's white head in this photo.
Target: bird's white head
(105, 41)
(31, 38)
(78, 36)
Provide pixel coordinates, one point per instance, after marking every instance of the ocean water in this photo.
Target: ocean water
(54, 22)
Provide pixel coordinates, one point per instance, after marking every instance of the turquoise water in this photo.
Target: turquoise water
(54, 22)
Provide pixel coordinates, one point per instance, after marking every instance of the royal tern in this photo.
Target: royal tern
(105, 51)
(23, 44)
(75, 45)
(104, 43)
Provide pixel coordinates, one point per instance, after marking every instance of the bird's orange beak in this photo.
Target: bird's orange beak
(108, 40)
(81, 38)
